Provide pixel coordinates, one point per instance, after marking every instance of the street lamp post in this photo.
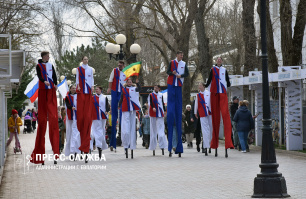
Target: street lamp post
(269, 183)
(117, 49)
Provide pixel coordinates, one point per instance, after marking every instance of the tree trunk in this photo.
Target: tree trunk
(286, 31)
(249, 36)
(203, 42)
(299, 29)
(183, 44)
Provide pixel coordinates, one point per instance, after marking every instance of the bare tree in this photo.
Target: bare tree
(249, 38)
(292, 43)
(205, 61)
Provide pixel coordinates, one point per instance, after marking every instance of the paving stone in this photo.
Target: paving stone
(146, 176)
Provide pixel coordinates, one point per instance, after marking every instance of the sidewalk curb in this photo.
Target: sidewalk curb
(278, 151)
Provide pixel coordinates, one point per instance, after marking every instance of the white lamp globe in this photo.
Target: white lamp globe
(120, 39)
(68, 82)
(117, 49)
(81, 63)
(135, 49)
(62, 77)
(93, 71)
(110, 48)
(74, 71)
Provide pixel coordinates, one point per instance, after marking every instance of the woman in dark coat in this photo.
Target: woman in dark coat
(244, 123)
(188, 126)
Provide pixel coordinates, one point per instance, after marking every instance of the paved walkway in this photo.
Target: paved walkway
(191, 176)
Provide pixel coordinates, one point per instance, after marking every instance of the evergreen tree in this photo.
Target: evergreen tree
(98, 59)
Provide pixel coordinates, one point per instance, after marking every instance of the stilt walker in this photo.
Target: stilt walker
(157, 125)
(85, 86)
(129, 103)
(217, 83)
(73, 140)
(202, 106)
(100, 109)
(177, 70)
(47, 106)
(115, 85)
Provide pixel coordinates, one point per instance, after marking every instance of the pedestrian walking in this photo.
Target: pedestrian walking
(188, 126)
(14, 124)
(244, 123)
(233, 109)
(34, 119)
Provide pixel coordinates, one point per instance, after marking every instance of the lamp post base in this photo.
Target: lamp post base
(270, 186)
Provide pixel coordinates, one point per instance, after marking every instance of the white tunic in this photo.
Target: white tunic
(180, 70)
(122, 78)
(89, 79)
(102, 101)
(134, 97)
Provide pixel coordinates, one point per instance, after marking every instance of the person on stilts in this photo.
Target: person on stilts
(100, 110)
(177, 70)
(202, 106)
(47, 106)
(115, 85)
(85, 87)
(217, 83)
(157, 125)
(129, 102)
(73, 140)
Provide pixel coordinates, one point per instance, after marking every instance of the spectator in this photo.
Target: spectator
(20, 112)
(233, 109)
(62, 127)
(34, 118)
(14, 123)
(188, 126)
(109, 126)
(146, 129)
(244, 123)
(29, 112)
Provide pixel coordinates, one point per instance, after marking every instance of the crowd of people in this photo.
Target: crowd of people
(89, 121)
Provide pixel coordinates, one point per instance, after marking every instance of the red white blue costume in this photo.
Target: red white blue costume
(100, 109)
(117, 78)
(217, 83)
(202, 106)
(174, 104)
(47, 106)
(129, 103)
(84, 80)
(73, 140)
(157, 125)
